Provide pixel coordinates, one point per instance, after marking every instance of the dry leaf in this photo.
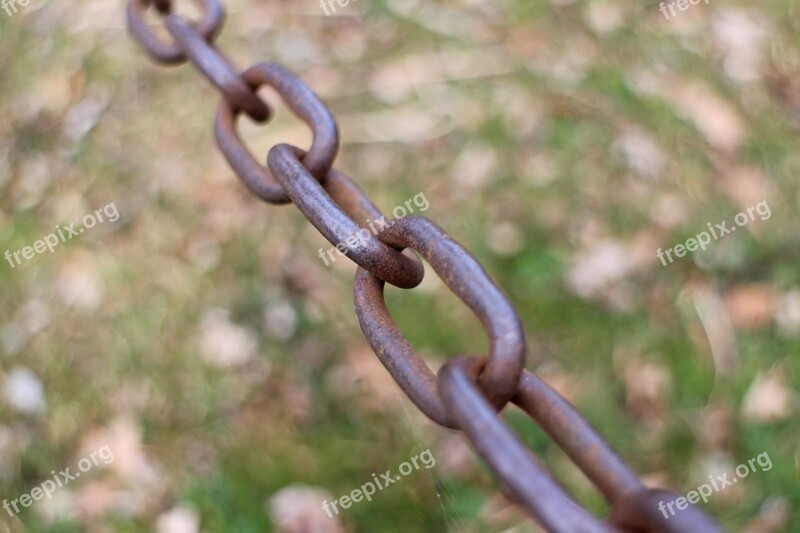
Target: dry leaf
(605, 16)
(642, 153)
(715, 427)
(505, 239)
(180, 519)
(788, 313)
(475, 166)
(768, 398)
(224, 343)
(648, 385)
(751, 306)
(598, 267)
(23, 390)
(716, 119)
(747, 186)
(280, 319)
(299, 509)
(741, 35)
(79, 283)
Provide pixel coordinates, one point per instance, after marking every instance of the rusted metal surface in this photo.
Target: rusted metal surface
(576, 437)
(303, 103)
(316, 204)
(216, 68)
(172, 53)
(528, 480)
(634, 507)
(470, 282)
(469, 391)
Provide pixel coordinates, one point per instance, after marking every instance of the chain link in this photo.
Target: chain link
(468, 391)
(469, 281)
(305, 104)
(171, 53)
(216, 68)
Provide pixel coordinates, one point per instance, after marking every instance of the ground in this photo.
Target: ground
(197, 334)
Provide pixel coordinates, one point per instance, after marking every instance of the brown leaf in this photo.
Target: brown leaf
(768, 398)
(751, 306)
(788, 313)
(224, 343)
(180, 519)
(299, 509)
(747, 186)
(648, 386)
(715, 427)
(740, 34)
(716, 119)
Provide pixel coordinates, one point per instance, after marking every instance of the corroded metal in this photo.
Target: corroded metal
(303, 103)
(528, 480)
(172, 53)
(468, 392)
(330, 219)
(217, 68)
(469, 281)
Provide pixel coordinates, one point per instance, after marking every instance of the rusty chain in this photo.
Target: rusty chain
(469, 391)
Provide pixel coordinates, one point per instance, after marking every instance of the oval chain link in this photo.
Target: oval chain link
(209, 27)
(304, 104)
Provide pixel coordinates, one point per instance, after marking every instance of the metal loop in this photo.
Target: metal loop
(529, 481)
(634, 507)
(334, 223)
(217, 68)
(170, 53)
(579, 440)
(304, 104)
(469, 281)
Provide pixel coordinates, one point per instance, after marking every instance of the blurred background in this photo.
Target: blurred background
(562, 142)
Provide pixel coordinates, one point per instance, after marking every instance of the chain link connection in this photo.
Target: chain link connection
(469, 391)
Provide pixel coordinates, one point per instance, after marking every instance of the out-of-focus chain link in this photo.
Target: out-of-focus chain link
(469, 391)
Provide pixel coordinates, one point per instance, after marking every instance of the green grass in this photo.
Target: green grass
(307, 409)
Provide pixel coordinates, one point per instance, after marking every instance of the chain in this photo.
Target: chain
(470, 391)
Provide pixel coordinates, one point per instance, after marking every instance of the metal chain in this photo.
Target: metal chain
(470, 391)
